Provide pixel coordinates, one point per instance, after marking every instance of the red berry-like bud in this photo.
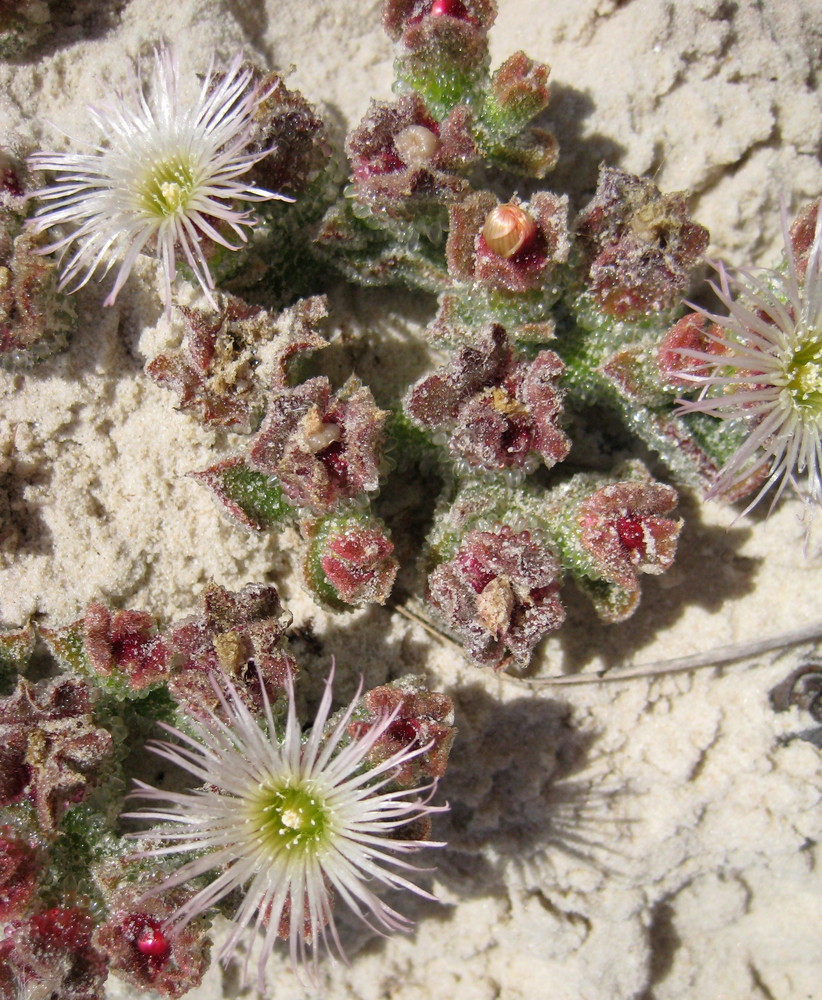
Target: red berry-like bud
(152, 943)
(630, 533)
(449, 8)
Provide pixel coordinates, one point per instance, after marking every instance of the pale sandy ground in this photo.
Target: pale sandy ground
(647, 839)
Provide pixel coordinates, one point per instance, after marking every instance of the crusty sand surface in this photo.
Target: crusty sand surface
(653, 839)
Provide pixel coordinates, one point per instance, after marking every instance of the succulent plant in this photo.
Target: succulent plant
(541, 321)
(78, 899)
(545, 317)
(36, 319)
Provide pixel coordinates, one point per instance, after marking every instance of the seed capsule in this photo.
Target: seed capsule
(416, 145)
(495, 605)
(507, 229)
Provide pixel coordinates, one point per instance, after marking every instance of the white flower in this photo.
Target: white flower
(164, 177)
(290, 822)
(767, 371)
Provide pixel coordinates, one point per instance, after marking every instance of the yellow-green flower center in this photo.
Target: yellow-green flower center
(804, 373)
(290, 817)
(167, 187)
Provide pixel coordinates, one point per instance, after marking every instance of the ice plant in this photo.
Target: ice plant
(288, 821)
(762, 364)
(165, 179)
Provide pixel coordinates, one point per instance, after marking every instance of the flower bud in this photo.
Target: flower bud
(507, 229)
(416, 145)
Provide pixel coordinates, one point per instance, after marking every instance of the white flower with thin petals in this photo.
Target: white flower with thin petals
(166, 176)
(767, 372)
(288, 821)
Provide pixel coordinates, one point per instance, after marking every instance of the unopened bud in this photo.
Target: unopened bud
(507, 229)
(416, 145)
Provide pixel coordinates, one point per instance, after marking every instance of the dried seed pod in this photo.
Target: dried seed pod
(507, 229)
(416, 145)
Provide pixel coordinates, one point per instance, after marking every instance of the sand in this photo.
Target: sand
(647, 838)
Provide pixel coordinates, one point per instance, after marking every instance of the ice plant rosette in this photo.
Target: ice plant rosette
(290, 822)
(762, 364)
(167, 181)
